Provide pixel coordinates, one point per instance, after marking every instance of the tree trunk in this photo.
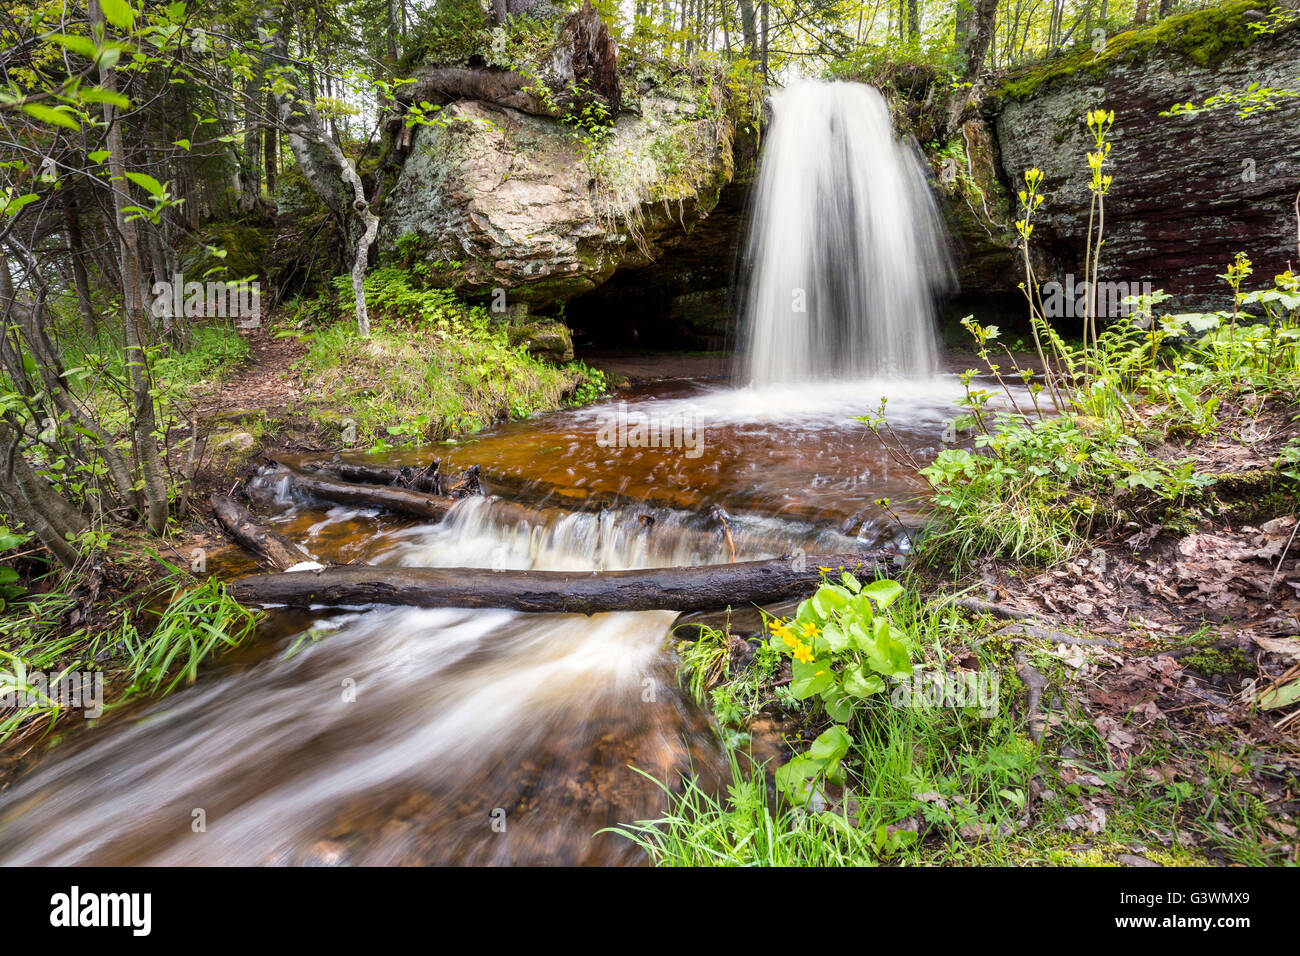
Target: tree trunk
(330, 174)
(271, 546)
(80, 278)
(563, 592)
(979, 34)
(748, 29)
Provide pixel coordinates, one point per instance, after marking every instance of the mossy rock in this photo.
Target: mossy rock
(245, 250)
(1203, 36)
(546, 340)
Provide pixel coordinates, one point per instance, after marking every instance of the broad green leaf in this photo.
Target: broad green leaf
(97, 94)
(52, 115)
(829, 598)
(858, 683)
(12, 207)
(809, 679)
(836, 639)
(118, 13)
(884, 593)
(832, 744)
(1280, 696)
(98, 156)
(838, 706)
(82, 46)
(148, 183)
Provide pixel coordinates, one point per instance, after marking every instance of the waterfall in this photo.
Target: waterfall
(846, 248)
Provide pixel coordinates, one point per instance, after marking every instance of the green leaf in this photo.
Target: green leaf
(836, 639)
(829, 598)
(809, 679)
(118, 13)
(148, 183)
(11, 208)
(884, 593)
(49, 114)
(8, 575)
(858, 683)
(838, 706)
(833, 744)
(792, 777)
(1280, 696)
(82, 46)
(98, 156)
(97, 94)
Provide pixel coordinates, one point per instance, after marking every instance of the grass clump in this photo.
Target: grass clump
(934, 766)
(146, 643)
(433, 367)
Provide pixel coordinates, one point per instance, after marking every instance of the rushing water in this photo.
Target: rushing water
(384, 735)
(449, 736)
(846, 246)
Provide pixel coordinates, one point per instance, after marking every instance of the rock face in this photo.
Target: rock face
(1189, 191)
(546, 207)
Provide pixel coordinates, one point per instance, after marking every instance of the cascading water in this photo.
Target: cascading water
(846, 248)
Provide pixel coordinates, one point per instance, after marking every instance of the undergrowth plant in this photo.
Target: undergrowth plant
(434, 367)
(1070, 448)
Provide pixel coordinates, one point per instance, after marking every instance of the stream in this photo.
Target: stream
(412, 736)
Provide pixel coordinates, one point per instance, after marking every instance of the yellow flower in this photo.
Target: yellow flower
(781, 629)
(791, 639)
(803, 653)
(811, 630)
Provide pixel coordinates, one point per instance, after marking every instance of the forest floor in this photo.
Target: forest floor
(1151, 676)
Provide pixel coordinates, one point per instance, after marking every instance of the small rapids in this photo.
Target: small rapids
(389, 736)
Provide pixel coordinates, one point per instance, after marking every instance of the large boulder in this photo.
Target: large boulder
(532, 192)
(1189, 190)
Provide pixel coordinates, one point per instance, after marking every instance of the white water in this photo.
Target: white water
(846, 249)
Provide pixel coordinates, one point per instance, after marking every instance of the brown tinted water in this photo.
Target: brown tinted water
(393, 735)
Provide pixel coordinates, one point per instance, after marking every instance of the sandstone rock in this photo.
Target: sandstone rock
(238, 443)
(1189, 191)
(501, 198)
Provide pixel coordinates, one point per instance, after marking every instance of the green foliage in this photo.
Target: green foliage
(434, 367)
(201, 620)
(1039, 475)
(855, 794)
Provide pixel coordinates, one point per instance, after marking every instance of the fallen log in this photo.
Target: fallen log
(402, 500)
(426, 478)
(270, 546)
(573, 592)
